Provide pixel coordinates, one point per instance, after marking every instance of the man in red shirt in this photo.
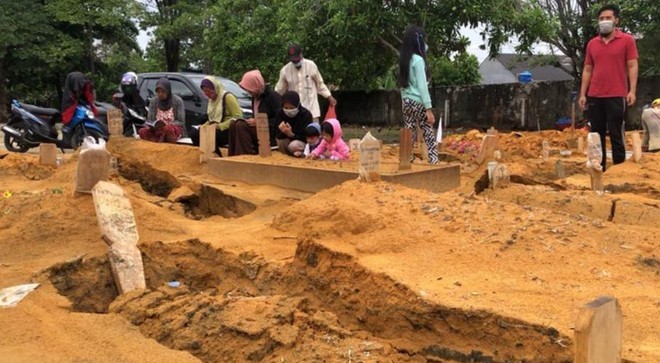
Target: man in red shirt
(609, 81)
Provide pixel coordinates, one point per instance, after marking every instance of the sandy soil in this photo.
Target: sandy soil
(360, 272)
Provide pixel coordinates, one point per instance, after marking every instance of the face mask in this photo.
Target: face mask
(298, 64)
(605, 27)
(291, 113)
(426, 48)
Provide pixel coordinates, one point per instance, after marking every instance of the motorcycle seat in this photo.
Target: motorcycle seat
(39, 111)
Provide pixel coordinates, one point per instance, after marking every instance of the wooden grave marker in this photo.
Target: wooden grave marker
(207, 142)
(115, 122)
(263, 134)
(580, 145)
(637, 146)
(598, 332)
(488, 146)
(119, 230)
(48, 154)
(405, 148)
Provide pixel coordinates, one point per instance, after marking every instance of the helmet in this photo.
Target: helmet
(656, 102)
(129, 78)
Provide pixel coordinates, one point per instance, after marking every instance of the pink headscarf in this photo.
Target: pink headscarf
(253, 82)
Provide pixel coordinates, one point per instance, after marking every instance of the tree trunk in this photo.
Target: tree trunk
(4, 111)
(172, 53)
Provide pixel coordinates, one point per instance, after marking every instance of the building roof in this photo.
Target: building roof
(542, 67)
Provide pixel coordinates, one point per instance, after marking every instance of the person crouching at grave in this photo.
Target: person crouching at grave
(293, 118)
(332, 146)
(223, 108)
(243, 133)
(165, 117)
(313, 133)
(651, 125)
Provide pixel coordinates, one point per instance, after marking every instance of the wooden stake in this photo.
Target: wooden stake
(206, 142)
(598, 332)
(48, 154)
(637, 146)
(263, 135)
(405, 148)
(115, 122)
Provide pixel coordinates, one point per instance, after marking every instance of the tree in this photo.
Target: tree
(355, 42)
(24, 37)
(179, 25)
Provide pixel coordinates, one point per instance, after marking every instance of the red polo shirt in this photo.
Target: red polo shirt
(610, 64)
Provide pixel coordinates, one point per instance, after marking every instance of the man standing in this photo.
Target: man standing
(609, 81)
(302, 75)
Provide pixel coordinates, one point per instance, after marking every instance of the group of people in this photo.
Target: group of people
(292, 109)
(609, 83)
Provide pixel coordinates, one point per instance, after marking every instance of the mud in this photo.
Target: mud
(321, 306)
(210, 201)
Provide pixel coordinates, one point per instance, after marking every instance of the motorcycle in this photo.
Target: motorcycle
(132, 119)
(26, 130)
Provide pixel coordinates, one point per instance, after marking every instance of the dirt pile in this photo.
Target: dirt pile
(322, 306)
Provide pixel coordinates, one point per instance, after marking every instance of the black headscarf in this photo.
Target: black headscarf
(166, 104)
(77, 88)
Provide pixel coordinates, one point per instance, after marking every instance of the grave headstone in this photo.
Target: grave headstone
(115, 122)
(598, 332)
(594, 159)
(637, 146)
(206, 142)
(93, 165)
(501, 176)
(559, 169)
(48, 154)
(580, 145)
(119, 230)
(369, 158)
(263, 135)
(405, 148)
(354, 144)
(488, 146)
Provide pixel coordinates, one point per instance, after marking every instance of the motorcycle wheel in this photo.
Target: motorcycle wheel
(79, 136)
(15, 144)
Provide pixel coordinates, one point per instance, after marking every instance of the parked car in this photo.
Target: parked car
(187, 86)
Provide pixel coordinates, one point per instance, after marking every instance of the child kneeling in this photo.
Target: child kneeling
(332, 146)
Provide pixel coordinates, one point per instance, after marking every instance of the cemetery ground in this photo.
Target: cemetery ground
(362, 272)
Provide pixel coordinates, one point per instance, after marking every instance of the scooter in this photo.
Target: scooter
(25, 130)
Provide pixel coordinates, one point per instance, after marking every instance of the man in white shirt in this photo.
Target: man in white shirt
(302, 75)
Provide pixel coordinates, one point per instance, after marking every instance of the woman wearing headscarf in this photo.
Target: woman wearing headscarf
(77, 89)
(243, 133)
(293, 119)
(165, 117)
(223, 107)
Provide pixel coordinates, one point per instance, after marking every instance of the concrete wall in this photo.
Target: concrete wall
(483, 106)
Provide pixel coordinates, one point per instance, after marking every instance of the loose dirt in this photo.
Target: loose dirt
(357, 273)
